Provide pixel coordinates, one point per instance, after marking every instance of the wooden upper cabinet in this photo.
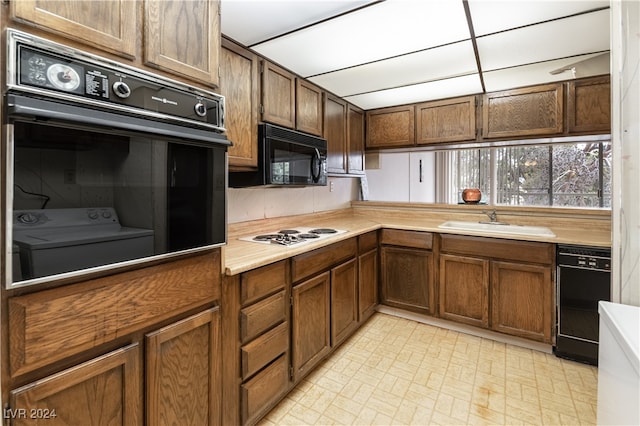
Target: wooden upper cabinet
(278, 95)
(355, 140)
(110, 25)
(391, 127)
(239, 80)
(335, 131)
(104, 390)
(451, 120)
(309, 116)
(589, 105)
(526, 112)
(183, 38)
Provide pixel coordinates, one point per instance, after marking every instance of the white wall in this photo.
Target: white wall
(397, 177)
(262, 202)
(625, 90)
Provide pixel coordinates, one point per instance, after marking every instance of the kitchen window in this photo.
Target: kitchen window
(568, 175)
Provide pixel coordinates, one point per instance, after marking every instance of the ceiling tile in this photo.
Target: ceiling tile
(588, 33)
(384, 30)
(489, 16)
(254, 21)
(458, 86)
(540, 73)
(432, 64)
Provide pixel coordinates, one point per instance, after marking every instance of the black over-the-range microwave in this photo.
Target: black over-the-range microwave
(285, 158)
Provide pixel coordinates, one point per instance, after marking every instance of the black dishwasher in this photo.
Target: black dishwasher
(583, 279)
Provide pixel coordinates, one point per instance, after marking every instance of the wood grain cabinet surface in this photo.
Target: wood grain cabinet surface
(278, 95)
(368, 263)
(407, 265)
(239, 84)
(526, 112)
(110, 25)
(192, 47)
(355, 140)
(589, 105)
(309, 107)
(503, 285)
(450, 120)
(183, 361)
(137, 31)
(103, 391)
(335, 131)
(390, 127)
(344, 301)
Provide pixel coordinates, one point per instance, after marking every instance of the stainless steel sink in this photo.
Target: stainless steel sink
(498, 228)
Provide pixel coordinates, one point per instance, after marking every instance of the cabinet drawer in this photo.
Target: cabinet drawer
(526, 251)
(367, 242)
(264, 349)
(264, 389)
(261, 316)
(417, 239)
(323, 258)
(256, 284)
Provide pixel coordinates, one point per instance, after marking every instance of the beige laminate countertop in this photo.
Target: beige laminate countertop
(591, 229)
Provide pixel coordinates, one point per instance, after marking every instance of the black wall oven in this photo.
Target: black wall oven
(105, 165)
(583, 279)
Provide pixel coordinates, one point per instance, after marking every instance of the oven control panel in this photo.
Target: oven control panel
(52, 70)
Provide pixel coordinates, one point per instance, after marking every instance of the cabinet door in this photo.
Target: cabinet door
(110, 25)
(407, 279)
(589, 105)
(368, 283)
(309, 116)
(391, 127)
(344, 301)
(355, 140)
(335, 131)
(278, 95)
(531, 111)
(464, 289)
(183, 372)
(239, 85)
(103, 391)
(451, 120)
(183, 38)
(521, 300)
(310, 323)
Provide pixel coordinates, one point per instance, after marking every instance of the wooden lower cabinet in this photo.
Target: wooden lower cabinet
(464, 289)
(521, 300)
(503, 285)
(183, 384)
(310, 323)
(103, 391)
(344, 301)
(407, 265)
(262, 390)
(367, 283)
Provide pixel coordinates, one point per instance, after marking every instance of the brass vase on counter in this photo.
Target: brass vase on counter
(471, 195)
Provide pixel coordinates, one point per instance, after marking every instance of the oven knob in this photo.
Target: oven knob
(200, 109)
(106, 214)
(93, 215)
(121, 89)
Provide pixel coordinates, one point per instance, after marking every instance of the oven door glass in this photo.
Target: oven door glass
(86, 199)
(293, 164)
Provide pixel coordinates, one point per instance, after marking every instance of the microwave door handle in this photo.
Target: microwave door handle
(316, 160)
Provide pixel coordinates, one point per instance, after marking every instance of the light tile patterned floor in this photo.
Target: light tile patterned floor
(395, 371)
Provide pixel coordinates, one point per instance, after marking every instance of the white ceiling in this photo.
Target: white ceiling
(392, 52)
